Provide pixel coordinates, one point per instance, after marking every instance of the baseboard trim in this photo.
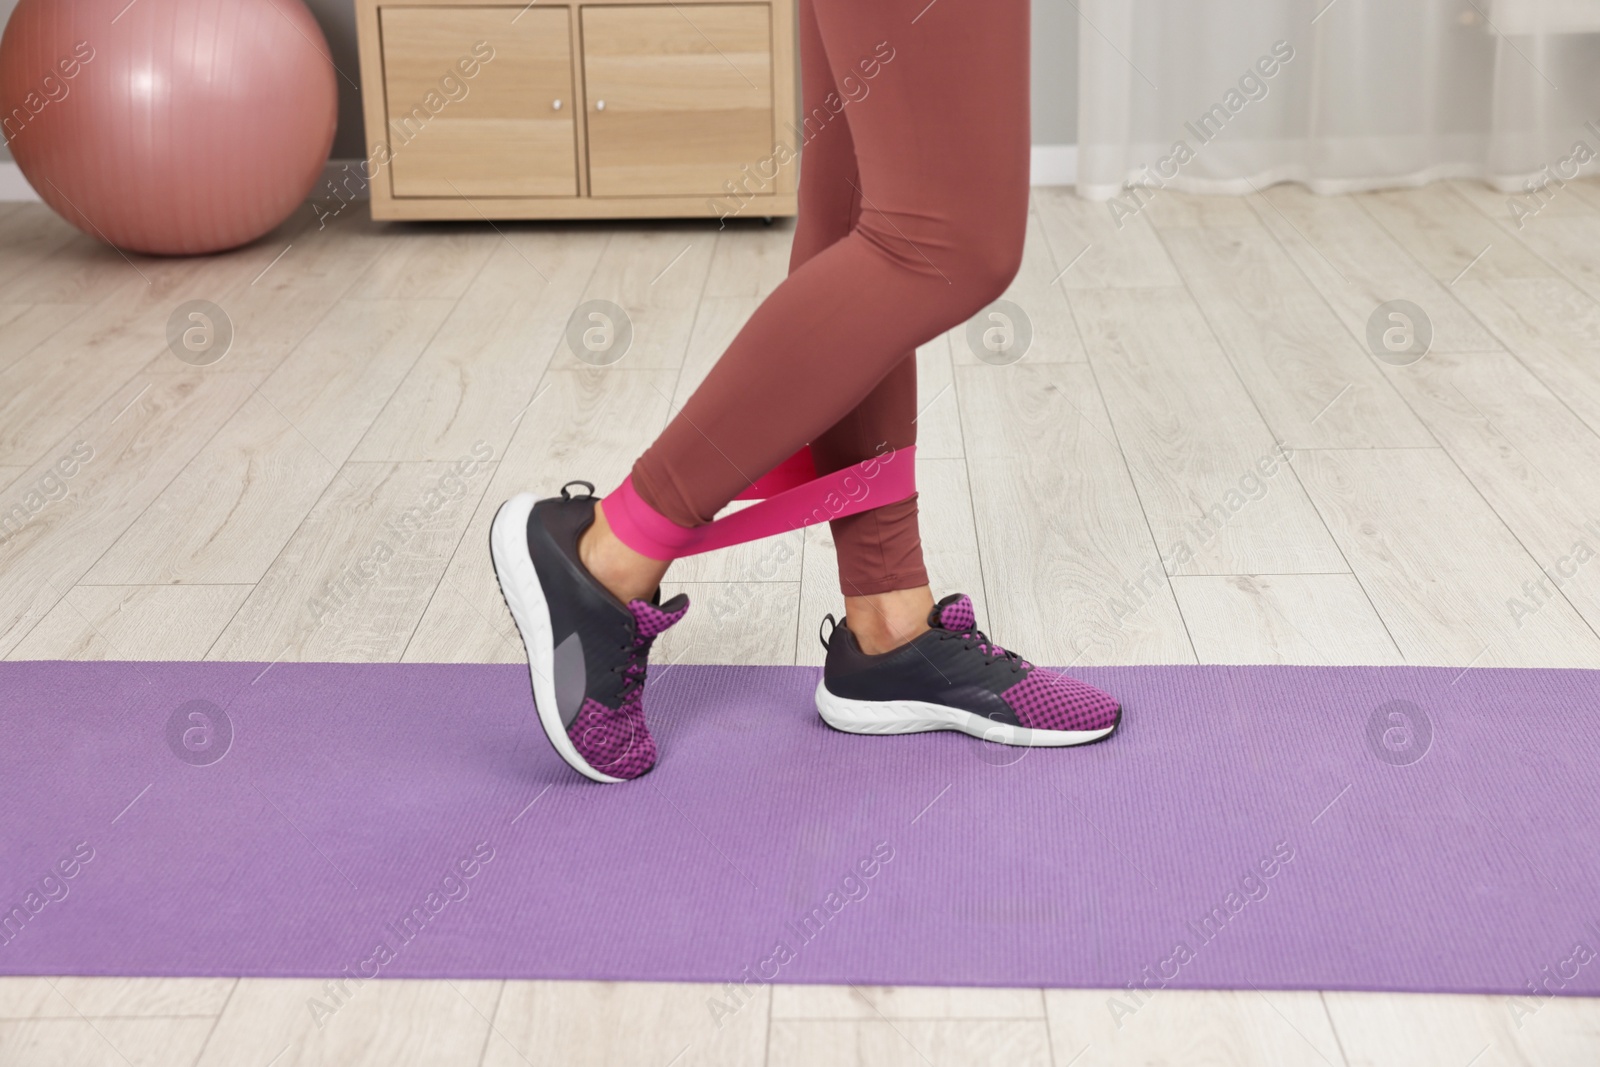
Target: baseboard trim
(1052, 164)
(342, 179)
(13, 186)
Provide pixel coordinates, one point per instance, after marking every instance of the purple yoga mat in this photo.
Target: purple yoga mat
(1288, 827)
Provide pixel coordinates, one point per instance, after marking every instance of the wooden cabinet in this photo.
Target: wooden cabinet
(507, 130)
(680, 96)
(579, 109)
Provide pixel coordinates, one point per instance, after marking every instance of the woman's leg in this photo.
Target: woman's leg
(940, 137)
(881, 573)
(939, 127)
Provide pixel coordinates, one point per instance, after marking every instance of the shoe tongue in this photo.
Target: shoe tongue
(955, 613)
(653, 619)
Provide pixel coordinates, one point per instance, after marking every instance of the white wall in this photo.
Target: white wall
(1055, 71)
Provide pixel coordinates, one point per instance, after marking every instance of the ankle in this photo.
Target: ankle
(882, 622)
(626, 574)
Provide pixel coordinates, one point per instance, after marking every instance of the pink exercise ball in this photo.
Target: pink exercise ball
(172, 127)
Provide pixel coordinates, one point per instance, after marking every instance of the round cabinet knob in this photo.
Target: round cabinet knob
(599, 105)
(555, 105)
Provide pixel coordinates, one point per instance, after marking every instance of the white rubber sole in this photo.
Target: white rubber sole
(916, 716)
(519, 584)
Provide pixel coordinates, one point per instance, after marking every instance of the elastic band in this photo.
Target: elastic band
(797, 470)
(787, 503)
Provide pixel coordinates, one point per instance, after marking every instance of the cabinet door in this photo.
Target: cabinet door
(679, 97)
(480, 101)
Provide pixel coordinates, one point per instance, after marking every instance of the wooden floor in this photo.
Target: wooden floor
(1066, 493)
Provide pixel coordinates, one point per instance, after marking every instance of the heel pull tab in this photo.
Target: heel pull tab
(587, 485)
(833, 624)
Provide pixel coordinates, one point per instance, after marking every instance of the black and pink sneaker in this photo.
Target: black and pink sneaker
(954, 678)
(587, 650)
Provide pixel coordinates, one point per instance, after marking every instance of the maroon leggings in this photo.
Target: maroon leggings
(913, 206)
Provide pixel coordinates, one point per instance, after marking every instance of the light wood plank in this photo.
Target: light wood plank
(904, 1002)
(820, 592)
(433, 262)
(1181, 1026)
(1038, 293)
(547, 262)
(1057, 513)
(911, 1043)
(386, 1023)
(482, 367)
(938, 415)
(26, 997)
(751, 258)
(1212, 480)
(1587, 190)
(355, 578)
(1129, 256)
(102, 997)
(1439, 565)
(1168, 209)
(458, 628)
(48, 390)
(1557, 202)
(1571, 244)
(1283, 618)
(338, 379)
(1440, 229)
(102, 1043)
(1535, 462)
(467, 388)
(768, 560)
(1429, 1030)
(600, 1024)
(719, 320)
(85, 270)
(656, 275)
(732, 622)
(88, 271)
(284, 295)
(133, 622)
(589, 424)
(1357, 266)
(1564, 233)
(55, 386)
(1553, 329)
(24, 327)
(1316, 385)
(131, 446)
(33, 233)
(229, 512)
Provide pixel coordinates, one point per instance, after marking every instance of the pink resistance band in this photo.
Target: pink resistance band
(791, 496)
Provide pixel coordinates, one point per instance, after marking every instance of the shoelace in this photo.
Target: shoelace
(989, 649)
(633, 672)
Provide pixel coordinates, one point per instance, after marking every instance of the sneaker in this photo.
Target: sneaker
(587, 650)
(955, 678)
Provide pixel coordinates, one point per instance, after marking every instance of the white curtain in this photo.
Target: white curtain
(1223, 96)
